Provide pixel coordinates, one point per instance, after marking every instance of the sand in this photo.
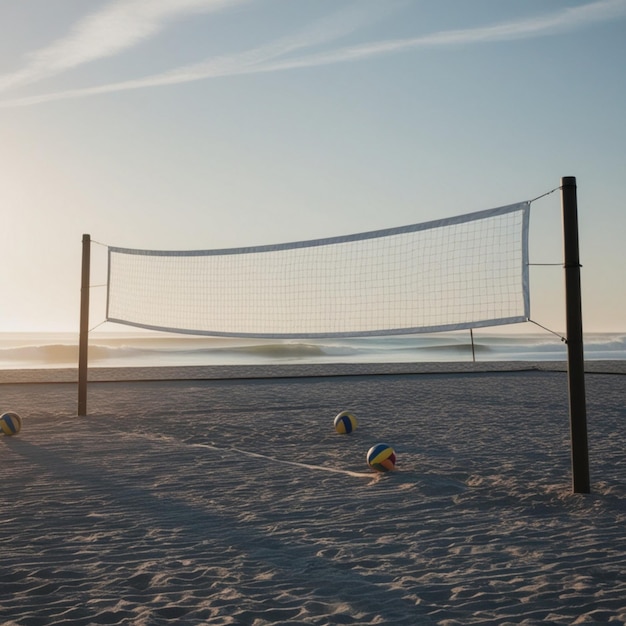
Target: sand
(185, 498)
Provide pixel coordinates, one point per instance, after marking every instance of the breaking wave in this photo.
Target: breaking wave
(168, 350)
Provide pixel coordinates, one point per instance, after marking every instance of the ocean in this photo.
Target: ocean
(54, 350)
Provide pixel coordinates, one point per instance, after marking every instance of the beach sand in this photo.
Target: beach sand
(220, 496)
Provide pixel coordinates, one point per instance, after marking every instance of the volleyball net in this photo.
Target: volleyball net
(462, 272)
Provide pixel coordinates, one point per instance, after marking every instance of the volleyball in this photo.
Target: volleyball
(345, 423)
(381, 457)
(10, 423)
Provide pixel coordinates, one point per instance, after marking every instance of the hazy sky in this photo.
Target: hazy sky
(186, 124)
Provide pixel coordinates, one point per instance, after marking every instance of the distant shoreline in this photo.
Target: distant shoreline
(235, 372)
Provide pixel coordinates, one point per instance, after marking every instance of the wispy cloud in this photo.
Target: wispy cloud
(121, 25)
(148, 17)
(251, 61)
(563, 21)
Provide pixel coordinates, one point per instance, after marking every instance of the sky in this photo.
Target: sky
(198, 124)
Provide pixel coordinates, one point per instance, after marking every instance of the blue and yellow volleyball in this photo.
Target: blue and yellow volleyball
(381, 457)
(10, 423)
(345, 423)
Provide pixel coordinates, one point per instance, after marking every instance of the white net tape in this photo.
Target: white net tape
(463, 272)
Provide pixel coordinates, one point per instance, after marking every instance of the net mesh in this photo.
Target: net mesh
(463, 272)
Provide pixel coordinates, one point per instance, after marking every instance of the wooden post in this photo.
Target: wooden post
(574, 335)
(83, 339)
